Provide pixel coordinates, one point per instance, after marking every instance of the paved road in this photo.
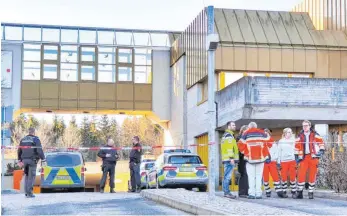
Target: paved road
(317, 206)
(83, 204)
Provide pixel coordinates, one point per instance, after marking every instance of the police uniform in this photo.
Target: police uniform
(108, 166)
(134, 165)
(29, 157)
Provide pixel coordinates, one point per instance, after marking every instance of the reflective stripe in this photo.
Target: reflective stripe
(73, 175)
(51, 176)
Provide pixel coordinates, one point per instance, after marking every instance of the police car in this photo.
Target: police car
(62, 170)
(178, 168)
(146, 166)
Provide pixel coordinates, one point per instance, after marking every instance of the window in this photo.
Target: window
(182, 159)
(87, 36)
(50, 52)
(141, 39)
(31, 62)
(13, 33)
(107, 64)
(87, 54)
(125, 56)
(106, 37)
(203, 91)
(87, 72)
(143, 66)
(160, 39)
(32, 34)
(125, 74)
(124, 38)
(50, 35)
(69, 36)
(69, 63)
(50, 71)
(63, 160)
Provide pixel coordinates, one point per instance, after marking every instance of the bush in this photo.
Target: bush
(332, 174)
(11, 168)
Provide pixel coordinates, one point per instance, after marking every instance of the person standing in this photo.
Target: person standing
(243, 180)
(109, 157)
(255, 144)
(286, 161)
(309, 147)
(29, 153)
(270, 168)
(230, 155)
(134, 165)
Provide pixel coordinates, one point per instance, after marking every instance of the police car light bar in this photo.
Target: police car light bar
(177, 150)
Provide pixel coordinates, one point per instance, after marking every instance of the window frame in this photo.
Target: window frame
(87, 63)
(32, 61)
(50, 62)
(108, 64)
(122, 64)
(146, 66)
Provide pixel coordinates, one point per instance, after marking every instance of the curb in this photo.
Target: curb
(329, 195)
(180, 205)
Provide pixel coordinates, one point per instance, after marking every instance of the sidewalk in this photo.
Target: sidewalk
(328, 194)
(199, 203)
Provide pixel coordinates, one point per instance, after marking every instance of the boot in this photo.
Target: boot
(268, 194)
(229, 195)
(30, 195)
(310, 195)
(101, 190)
(298, 195)
(280, 194)
(112, 191)
(285, 194)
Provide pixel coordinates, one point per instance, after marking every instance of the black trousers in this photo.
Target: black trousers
(243, 181)
(108, 169)
(135, 177)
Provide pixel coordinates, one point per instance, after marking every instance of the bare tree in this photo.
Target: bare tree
(71, 137)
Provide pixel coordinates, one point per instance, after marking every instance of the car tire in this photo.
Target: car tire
(203, 188)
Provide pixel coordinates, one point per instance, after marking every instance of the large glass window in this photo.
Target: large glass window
(13, 33)
(69, 36)
(50, 52)
(69, 54)
(88, 54)
(125, 74)
(31, 62)
(32, 34)
(143, 66)
(50, 35)
(124, 38)
(50, 71)
(107, 64)
(141, 39)
(50, 61)
(125, 56)
(87, 72)
(160, 39)
(106, 37)
(87, 36)
(68, 72)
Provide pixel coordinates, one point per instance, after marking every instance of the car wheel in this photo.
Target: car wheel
(203, 188)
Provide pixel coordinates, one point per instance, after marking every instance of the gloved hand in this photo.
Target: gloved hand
(278, 166)
(268, 161)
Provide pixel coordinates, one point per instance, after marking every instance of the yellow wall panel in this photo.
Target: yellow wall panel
(275, 59)
(69, 91)
(49, 103)
(106, 104)
(30, 103)
(123, 105)
(252, 58)
(228, 58)
(343, 64)
(311, 60)
(87, 91)
(30, 89)
(143, 106)
(334, 64)
(87, 104)
(143, 92)
(49, 89)
(287, 59)
(203, 150)
(263, 59)
(106, 91)
(68, 104)
(239, 58)
(299, 60)
(322, 64)
(125, 91)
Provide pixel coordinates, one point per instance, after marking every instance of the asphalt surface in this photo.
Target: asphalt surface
(317, 206)
(83, 204)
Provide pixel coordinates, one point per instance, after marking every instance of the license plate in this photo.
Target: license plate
(63, 177)
(186, 169)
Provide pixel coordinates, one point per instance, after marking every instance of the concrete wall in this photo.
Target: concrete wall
(197, 116)
(161, 84)
(284, 98)
(12, 96)
(177, 124)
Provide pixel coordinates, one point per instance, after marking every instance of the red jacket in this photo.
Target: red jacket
(316, 143)
(255, 144)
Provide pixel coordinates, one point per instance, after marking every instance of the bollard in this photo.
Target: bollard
(17, 178)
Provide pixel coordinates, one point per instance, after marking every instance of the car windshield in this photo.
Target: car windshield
(148, 166)
(63, 160)
(184, 159)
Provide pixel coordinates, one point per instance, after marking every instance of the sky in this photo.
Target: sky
(173, 15)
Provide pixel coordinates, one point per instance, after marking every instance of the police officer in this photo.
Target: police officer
(29, 153)
(134, 165)
(109, 160)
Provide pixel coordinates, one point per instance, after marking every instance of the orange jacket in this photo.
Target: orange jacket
(316, 143)
(255, 144)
